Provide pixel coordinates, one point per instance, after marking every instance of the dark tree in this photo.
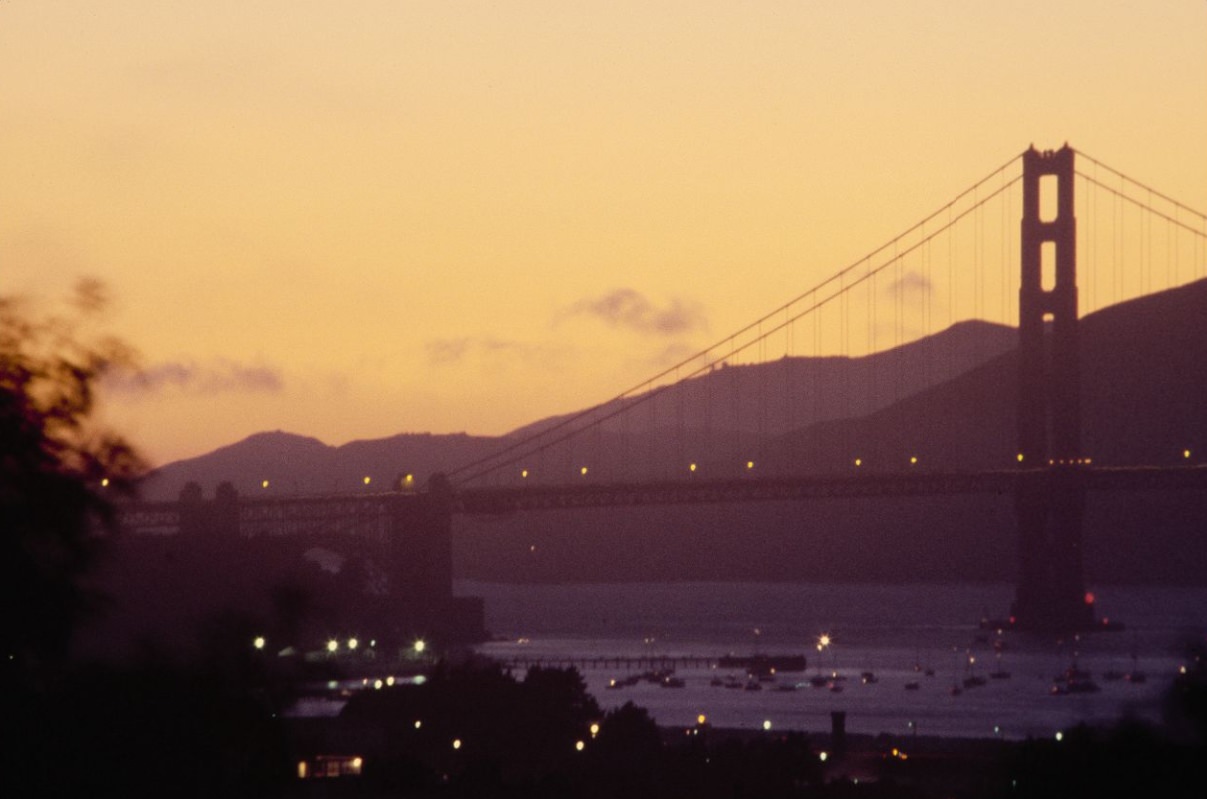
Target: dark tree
(56, 468)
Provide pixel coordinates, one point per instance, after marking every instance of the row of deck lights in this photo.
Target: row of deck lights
(407, 483)
(913, 461)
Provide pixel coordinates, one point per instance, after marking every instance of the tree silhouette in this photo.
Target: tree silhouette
(56, 467)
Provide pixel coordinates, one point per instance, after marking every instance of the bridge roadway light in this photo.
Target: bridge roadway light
(333, 646)
(353, 643)
(419, 646)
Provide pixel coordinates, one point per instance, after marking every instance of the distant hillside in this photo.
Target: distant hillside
(1143, 379)
(294, 464)
(794, 392)
(297, 464)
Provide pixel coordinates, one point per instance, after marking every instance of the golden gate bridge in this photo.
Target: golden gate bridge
(706, 429)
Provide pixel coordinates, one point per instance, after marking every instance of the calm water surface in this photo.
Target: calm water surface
(890, 630)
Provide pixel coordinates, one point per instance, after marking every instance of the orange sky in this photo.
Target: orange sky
(349, 220)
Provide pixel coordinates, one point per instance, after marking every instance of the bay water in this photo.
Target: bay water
(896, 632)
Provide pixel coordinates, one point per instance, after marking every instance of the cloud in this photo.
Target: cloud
(910, 285)
(451, 351)
(217, 377)
(445, 351)
(629, 309)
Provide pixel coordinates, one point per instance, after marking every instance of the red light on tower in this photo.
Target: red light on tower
(1089, 597)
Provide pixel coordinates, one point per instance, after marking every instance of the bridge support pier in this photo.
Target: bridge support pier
(421, 568)
(1050, 593)
(1049, 501)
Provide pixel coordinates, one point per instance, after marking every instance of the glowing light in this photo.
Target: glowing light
(700, 719)
(264, 484)
(418, 724)
(1020, 457)
(579, 746)
(353, 643)
(302, 769)
(583, 471)
(377, 684)
(368, 479)
(420, 645)
(105, 480)
(594, 729)
(357, 763)
(1060, 736)
(766, 724)
(823, 641)
(1185, 456)
(1089, 597)
(913, 460)
(259, 642)
(749, 464)
(859, 461)
(456, 743)
(524, 473)
(692, 467)
(332, 645)
(390, 680)
(823, 756)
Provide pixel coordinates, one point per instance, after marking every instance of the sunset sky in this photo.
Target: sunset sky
(351, 220)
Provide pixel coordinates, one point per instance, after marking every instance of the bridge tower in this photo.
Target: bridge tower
(1049, 504)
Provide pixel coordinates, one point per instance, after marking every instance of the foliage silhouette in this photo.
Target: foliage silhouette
(56, 463)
